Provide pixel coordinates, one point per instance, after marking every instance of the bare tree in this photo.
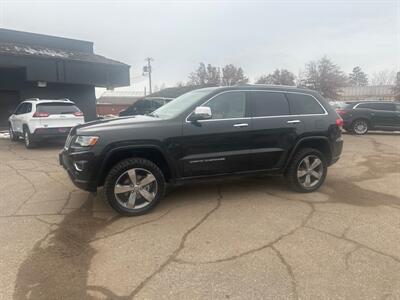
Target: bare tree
(232, 75)
(396, 88)
(278, 77)
(325, 77)
(385, 77)
(357, 77)
(205, 76)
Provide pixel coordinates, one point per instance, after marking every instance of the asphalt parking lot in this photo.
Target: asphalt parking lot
(239, 239)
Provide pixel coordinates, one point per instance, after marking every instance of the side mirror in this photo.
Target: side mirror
(201, 113)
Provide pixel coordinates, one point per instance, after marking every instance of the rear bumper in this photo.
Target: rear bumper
(79, 168)
(336, 148)
(50, 133)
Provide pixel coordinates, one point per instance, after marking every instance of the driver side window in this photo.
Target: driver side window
(228, 105)
(20, 109)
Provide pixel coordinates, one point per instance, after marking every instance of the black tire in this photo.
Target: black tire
(13, 136)
(28, 138)
(360, 126)
(122, 167)
(291, 173)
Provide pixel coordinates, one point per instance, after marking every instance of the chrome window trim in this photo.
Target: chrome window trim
(375, 102)
(263, 117)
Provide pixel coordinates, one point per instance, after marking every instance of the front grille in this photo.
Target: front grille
(68, 141)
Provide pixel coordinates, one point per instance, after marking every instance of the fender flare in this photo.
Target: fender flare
(113, 150)
(298, 144)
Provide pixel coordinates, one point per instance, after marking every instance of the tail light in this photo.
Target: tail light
(40, 114)
(341, 112)
(78, 114)
(339, 122)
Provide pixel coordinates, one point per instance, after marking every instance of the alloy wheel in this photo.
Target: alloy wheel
(11, 133)
(360, 127)
(310, 171)
(135, 188)
(27, 140)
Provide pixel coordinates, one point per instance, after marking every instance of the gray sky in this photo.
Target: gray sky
(259, 36)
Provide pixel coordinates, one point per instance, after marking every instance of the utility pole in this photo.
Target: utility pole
(147, 69)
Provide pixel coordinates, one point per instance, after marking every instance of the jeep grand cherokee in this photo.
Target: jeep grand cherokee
(204, 134)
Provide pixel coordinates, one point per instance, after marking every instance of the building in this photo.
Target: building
(112, 102)
(41, 66)
(372, 92)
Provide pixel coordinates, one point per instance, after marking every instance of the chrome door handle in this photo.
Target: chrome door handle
(241, 125)
(293, 121)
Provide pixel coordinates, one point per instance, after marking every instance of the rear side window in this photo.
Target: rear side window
(57, 108)
(265, 104)
(366, 105)
(385, 106)
(301, 104)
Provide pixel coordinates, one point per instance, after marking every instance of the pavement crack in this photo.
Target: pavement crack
(130, 227)
(181, 246)
(251, 251)
(289, 270)
(396, 259)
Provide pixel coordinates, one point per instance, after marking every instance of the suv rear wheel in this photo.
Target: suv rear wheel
(360, 127)
(29, 144)
(307, 170)
(134, 186)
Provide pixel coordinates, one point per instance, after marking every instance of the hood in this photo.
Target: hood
(99, 126)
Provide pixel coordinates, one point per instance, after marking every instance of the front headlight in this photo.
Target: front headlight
(86, 141)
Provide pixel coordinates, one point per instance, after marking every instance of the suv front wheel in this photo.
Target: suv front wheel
(134, 186)
(307, 170)
(13, 136)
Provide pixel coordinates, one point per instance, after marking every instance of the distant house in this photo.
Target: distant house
(372, 92)
(112, 102)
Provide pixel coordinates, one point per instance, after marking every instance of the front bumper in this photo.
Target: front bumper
(79, 166)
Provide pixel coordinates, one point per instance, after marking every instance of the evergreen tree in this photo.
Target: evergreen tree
(357, 77)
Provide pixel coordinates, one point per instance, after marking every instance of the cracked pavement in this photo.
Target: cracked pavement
(246, 238)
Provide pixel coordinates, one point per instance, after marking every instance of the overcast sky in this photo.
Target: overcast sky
(259, 36)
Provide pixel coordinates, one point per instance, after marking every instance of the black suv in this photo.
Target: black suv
(144, 106)
(202, 134)
(361, 116)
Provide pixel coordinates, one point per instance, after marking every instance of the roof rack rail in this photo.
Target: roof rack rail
(32, 99)
(272, 85)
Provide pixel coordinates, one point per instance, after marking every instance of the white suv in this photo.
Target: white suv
(38, 119)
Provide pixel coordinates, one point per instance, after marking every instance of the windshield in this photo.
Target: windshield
(180, 104)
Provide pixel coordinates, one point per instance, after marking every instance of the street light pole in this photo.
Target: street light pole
(149, 60)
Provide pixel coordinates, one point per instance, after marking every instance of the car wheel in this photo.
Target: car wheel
(307, 170)
(13, 136)
(134, 186)
(29, 144)
(360, 127)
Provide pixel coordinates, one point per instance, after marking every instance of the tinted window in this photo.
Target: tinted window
(28, 107)
(57, 108)
(385, 106)
(269, 104)
(366, 105)
(20, 109)
(228, 105)
(304, 105)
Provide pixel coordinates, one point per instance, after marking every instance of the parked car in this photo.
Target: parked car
(361, 116)
(36, 120)
(206, 133)
(144, 106)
